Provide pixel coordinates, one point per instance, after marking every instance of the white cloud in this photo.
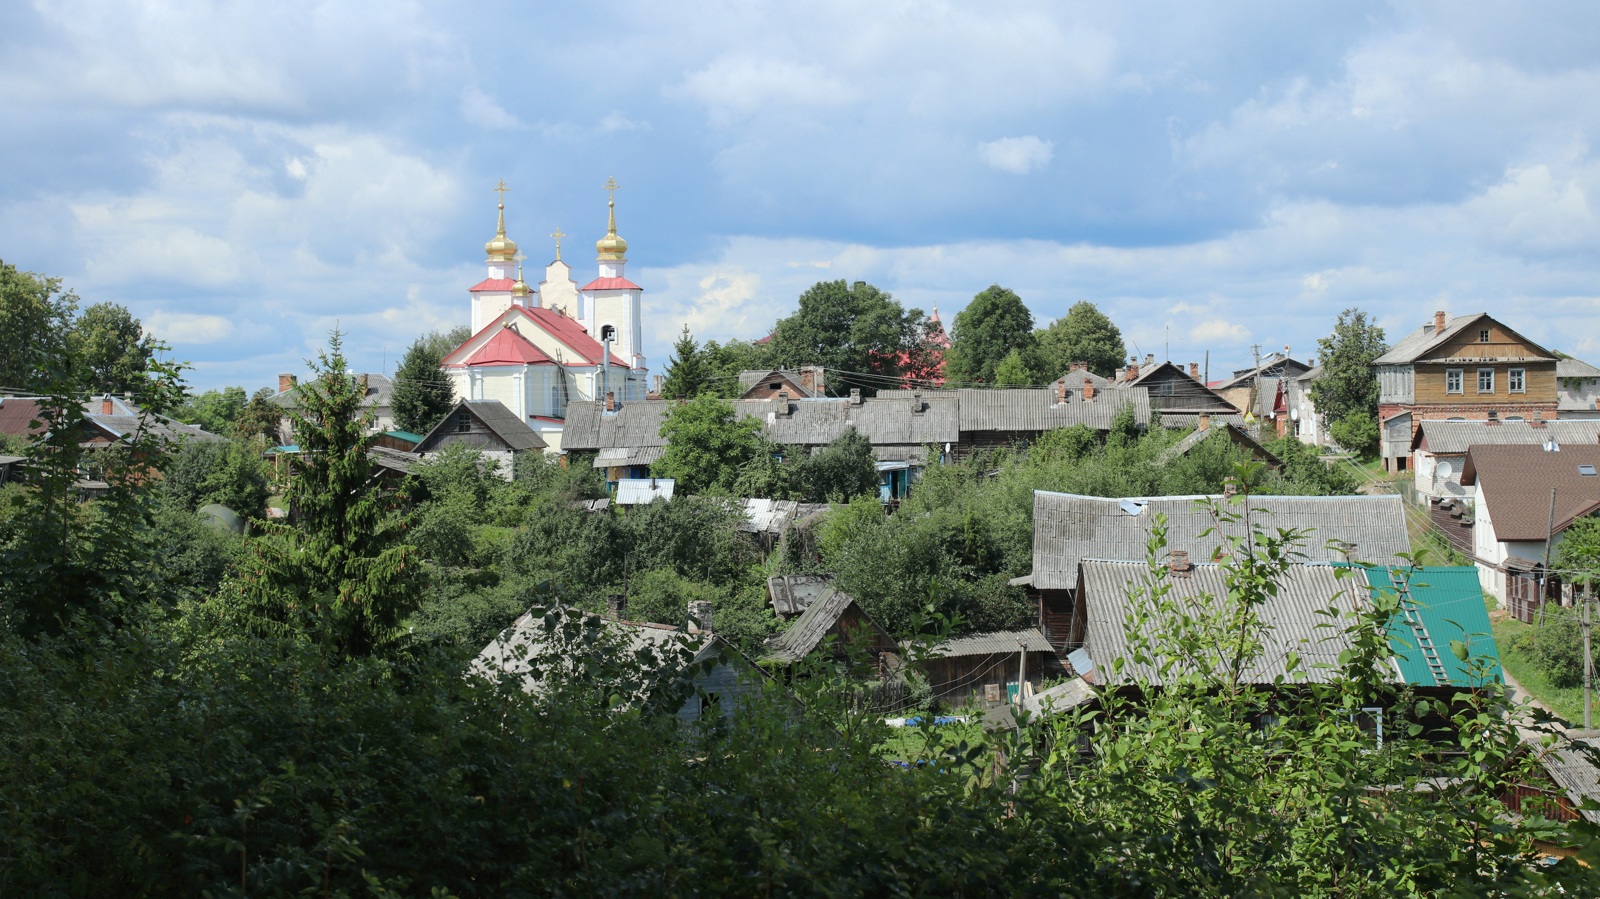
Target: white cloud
(1017, 155)
(188, 328)
(616, 121)
(1218, 330)
(482, 110)
(739, 85)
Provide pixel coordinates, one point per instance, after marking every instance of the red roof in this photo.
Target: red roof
(569, 332)
(611, 284)
(15, 415)
(492, 284)
(509, 348)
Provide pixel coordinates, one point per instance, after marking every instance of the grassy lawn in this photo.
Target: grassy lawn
(1566, 702)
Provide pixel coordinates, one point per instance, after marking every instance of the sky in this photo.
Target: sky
(246, 176)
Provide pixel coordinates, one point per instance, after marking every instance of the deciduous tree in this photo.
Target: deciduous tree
(856, 330)
(1348, 387)
(1084, 334)
(707, 445)
(113, 347)
(35, 318)
(993, 328)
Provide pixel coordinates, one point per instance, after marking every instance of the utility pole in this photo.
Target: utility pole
(1255, 390)
(1588, 667)
(1544, 576)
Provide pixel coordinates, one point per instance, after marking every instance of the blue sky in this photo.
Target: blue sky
(242, 175)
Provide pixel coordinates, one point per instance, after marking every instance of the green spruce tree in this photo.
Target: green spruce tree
(340, 573)
(422, 393)
(687, 373)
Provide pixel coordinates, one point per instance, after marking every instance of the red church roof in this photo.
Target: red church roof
(509, 348)
(611, 284)
(492, 284)
(570, 333)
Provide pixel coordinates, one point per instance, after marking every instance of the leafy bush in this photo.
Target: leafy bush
(1556, 649)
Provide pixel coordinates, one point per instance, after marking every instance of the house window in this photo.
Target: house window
(463, 422)
(1452, 380)
(1518, 381)
(1370, 720)
(1486, 380)
(1483, 336)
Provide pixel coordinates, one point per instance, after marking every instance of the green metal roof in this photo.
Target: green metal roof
(404, 435)
(1449, 606)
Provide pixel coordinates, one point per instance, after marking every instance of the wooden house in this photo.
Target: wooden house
(1524, 499)
(1439, 449)
(804, 382)
(1068, 529)
(834, 614)
(1178, 395)
(487, 426)
(1234, 434)
(1470, 367)
(992, 668)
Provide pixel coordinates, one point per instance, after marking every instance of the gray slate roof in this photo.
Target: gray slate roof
(1183, 421)
(810, 422)
(1068, 529)
(1576, 775)
(623, 456)
(1237, 434)
(773, 516)
(636, 424)
(1036, 409)
(1292, 617)
(502, 422)
(643, 491)
(1274, 364)
(379, 389)
(1419, 343)
(1451, 437)
(1575, 368)
(994, 642)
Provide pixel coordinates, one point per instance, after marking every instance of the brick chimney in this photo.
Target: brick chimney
(1149, 359)
(616, 606)
(1088, 390)
(1194, 370)
(1061, 390)
(1230, 486)
(1438, 321)
(1078, 366)
(107, 407)
(700, 616)
(287, 383)
(813, 379)
(611, 401)
(1133, 371)
(1178, 564)
(917, 405)
(1203, 423)
(855, 396)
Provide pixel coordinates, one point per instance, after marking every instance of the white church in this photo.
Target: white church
(537, 349)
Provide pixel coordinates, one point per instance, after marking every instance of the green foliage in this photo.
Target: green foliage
(1064, 445)
(215, 410)
(260, 419)
(708, 446)
(697, 537)
(338, 575)
(1305, 474)
(723, 363)
(1577, 556)
(1084, 334)
(1357, 432)
(663, 595)
(839, 472)
(112, 345)
(993, 335)
(35, 317)
(229, 473)
(422, 394)
(856, 331)
(1348, 387)
(688, 373)
(1556, 649)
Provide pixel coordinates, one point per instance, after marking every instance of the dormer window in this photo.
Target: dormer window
(463, 422)
(1483, 336)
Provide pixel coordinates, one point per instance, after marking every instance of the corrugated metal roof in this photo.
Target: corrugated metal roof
(1448, 604)
(1452, 437)
(633, 425)
(643, 491)
(1516, 482)
(1062, 696)
(379, 389)
(993, 642)
(1575, 368)
(1068, 528)
(1294, 618)
(773, 516)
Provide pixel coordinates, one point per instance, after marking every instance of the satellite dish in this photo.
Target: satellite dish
(1446, 469)
(1294, 414)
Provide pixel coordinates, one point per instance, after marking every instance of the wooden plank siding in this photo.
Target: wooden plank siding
(1539, 388)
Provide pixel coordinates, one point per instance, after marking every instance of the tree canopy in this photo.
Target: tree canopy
(113, 346)
(707, 445)
(422, 394)
(994, 327)
(688, 372)
(1346, 393)
(860, 333)
(1084, 334)
(36, 318)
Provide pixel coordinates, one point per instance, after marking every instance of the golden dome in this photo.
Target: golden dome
(521, 288)
(611, 247)
(501, 248)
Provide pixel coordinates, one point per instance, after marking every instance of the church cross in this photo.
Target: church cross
(519, 258)
(501, 190)
(611, 186)
(558, 235)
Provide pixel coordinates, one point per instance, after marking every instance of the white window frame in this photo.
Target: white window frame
(1517, 380)
(1483, 335)
(1490, 373)
(1456, 375)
